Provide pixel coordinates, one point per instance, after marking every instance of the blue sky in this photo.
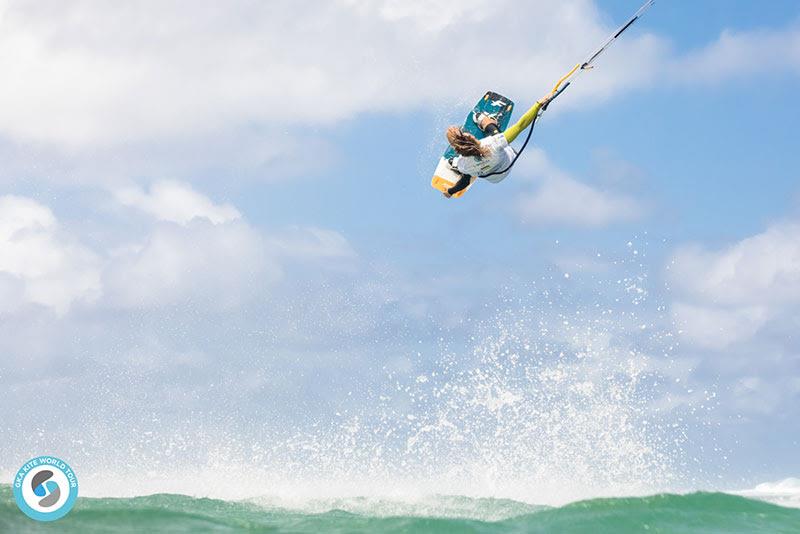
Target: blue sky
(223, 223)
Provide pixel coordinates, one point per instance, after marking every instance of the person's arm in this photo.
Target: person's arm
(524, 121)
(461, 184)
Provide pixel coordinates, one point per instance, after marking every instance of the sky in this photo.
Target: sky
(216, 228)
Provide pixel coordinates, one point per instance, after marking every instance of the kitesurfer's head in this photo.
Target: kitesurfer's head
(464, 143)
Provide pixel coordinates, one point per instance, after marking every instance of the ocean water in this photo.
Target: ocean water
(696, 512)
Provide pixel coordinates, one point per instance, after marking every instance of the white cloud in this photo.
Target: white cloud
(560, 198)
(568, 201)
(420, 12)
(95, 92)
(176, 202)
(717, 328)
(740, 54)
(204, 251)
(95, 74)
(762, 269)
(225, 260)
(726, 296)
(195, 250)
(40, 263)
(310, 242)
(738, 306)
(214, 263)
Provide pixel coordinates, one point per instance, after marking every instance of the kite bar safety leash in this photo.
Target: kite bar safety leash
(572, 75)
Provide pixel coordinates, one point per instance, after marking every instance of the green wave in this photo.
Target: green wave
(697, 512)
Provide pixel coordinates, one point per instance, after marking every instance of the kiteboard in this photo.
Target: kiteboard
(492, 104)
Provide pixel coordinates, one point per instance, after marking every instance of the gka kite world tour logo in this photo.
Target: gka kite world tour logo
(45, 488)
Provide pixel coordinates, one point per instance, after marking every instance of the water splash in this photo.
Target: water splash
(544, 408)
(567, 392)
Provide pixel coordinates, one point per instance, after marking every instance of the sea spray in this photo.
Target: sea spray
(569, 389)
(546, 407)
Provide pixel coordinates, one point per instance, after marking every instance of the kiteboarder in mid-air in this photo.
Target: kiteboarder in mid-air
(490, 157)
(480, 148)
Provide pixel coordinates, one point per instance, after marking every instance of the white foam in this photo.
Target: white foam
(784, 492)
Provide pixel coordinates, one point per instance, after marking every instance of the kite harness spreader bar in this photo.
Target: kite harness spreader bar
(572, 75)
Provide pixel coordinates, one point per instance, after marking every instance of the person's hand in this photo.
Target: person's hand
(446, 194)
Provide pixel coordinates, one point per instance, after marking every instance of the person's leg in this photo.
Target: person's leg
(462, 183)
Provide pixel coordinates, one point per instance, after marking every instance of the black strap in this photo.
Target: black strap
(530, 132)
(528, 138)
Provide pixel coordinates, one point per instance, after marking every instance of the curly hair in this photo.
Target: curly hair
(465, 143)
